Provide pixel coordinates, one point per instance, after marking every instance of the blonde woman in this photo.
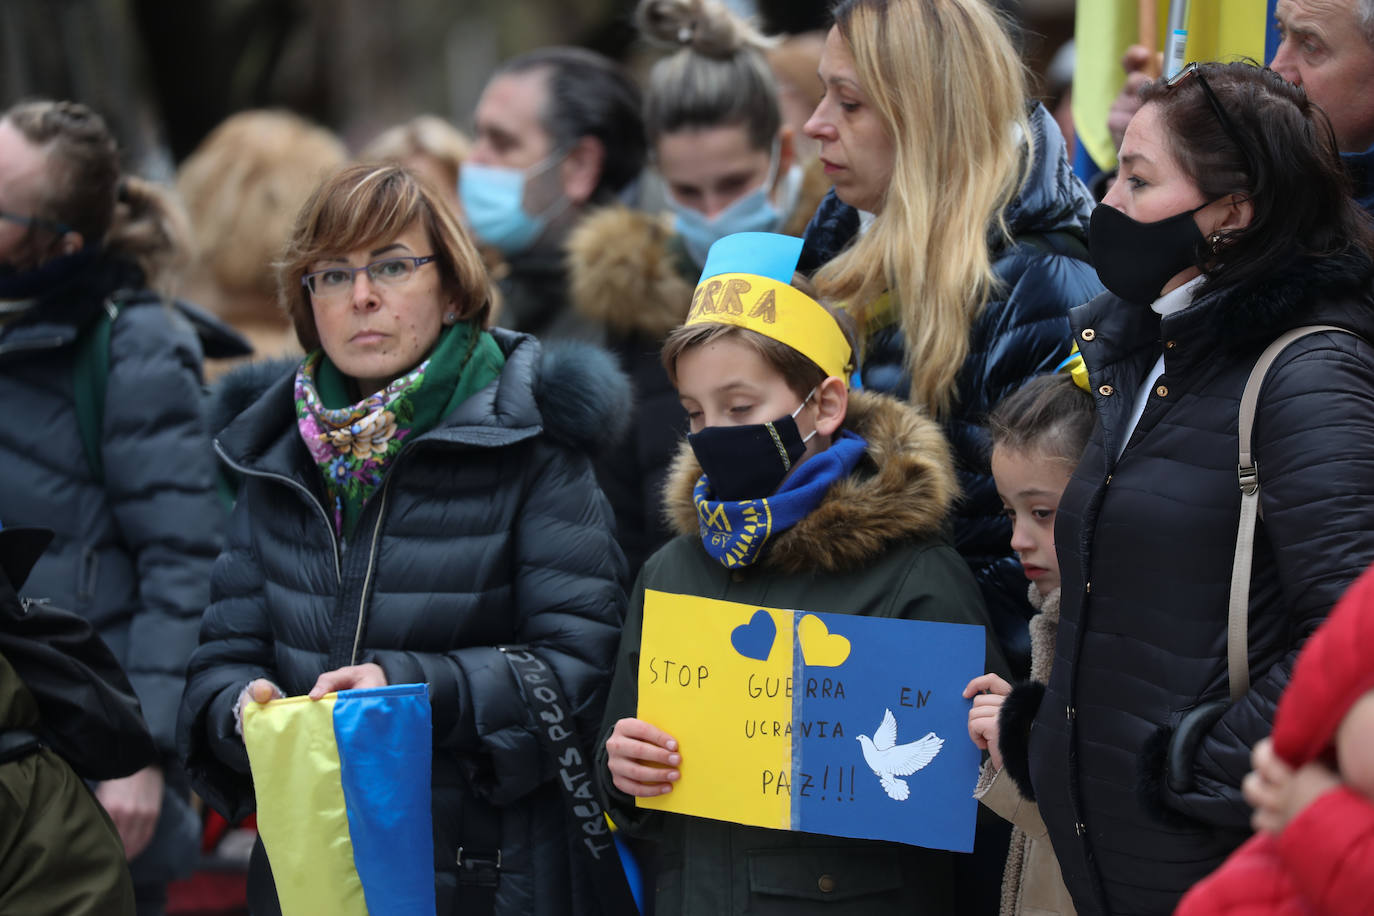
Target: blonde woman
(975, 252)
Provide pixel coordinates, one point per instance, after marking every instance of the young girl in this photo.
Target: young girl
(1038, 434)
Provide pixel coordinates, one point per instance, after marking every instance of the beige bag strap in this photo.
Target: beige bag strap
(1238, 617)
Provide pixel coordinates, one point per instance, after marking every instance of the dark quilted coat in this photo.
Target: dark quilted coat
(489, 530)
(132, 552)
(1323, 859)
(1022, 331)
(133, 547)
(1137, 782)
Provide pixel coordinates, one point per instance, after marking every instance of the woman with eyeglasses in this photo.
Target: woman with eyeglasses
(415, 494)
(1231, 223)
(102, 440)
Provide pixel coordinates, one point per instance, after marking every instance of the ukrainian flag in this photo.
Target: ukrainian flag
(343, 792)
(1220, 30)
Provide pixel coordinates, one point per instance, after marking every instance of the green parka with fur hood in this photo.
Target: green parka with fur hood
(874, 546)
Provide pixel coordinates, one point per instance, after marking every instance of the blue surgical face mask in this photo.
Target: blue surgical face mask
(754, 212)
(493, 204)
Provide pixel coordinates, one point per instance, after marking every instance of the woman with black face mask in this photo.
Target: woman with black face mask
(1231, 224)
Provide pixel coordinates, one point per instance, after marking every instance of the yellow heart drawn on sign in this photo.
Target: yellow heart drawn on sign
(821, 648)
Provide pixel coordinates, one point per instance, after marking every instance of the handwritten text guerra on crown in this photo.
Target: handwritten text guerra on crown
(716, 297)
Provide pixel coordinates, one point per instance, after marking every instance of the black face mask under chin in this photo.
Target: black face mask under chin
(1134, 260)
(749, 462)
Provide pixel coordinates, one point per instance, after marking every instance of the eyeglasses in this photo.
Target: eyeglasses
(51, 225)
(1195, 69)
(337, 282)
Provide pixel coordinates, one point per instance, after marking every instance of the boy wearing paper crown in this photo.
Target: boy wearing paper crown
(791, 491)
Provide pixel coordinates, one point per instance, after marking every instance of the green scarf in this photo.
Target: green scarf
(355, 443)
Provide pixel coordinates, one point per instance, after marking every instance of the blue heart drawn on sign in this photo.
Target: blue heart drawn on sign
(755, 638)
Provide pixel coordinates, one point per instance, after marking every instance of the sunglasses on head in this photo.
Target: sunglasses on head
(1195, 70)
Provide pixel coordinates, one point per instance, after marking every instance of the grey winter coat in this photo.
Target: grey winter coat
(133, 546)
(132, 553)
(488, 531)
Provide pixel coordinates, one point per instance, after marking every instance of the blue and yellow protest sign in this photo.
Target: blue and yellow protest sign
(827, 723)
(343, 792)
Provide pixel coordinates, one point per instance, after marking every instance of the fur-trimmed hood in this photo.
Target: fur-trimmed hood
(627, 269)
(573, 392)
(625, 272)
(901, 490)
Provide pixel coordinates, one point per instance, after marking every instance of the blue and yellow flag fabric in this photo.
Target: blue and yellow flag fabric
(343, 792)
(1220, 30)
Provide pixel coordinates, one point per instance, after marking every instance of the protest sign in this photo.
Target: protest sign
(827, 723)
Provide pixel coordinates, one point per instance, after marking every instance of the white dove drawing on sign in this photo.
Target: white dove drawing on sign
(888, 759)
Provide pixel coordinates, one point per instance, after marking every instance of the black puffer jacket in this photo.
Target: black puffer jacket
(1146, 545)
(489, 530)
(134, 544)
(1022, 332)
(132, 552)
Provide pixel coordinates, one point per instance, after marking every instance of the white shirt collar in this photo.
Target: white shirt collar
(1178, 299)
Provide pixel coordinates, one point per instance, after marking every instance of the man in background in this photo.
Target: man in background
(558, 132)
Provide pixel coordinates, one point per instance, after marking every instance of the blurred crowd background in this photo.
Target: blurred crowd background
(166, 72)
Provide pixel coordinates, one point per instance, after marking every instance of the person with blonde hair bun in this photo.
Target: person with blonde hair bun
(717, 139)
(976, 250)
(242, 187)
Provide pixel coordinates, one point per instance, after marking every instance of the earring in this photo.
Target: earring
(450, 318)
(1215, 240)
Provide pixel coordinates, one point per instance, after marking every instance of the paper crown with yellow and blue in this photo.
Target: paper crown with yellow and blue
(343, 793)
(747, 282)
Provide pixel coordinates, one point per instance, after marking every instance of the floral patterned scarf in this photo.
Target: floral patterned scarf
(354, 444)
